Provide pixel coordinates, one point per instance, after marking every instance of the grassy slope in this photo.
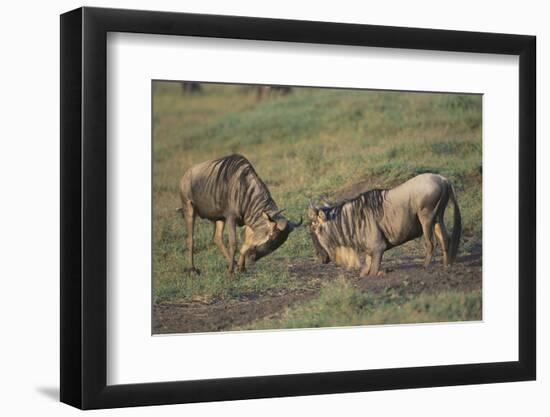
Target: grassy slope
(308, 143)
(341, 305)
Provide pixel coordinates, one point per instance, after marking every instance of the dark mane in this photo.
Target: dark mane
(349, 221)
(245, 185)
(226, 167)
(369, 202)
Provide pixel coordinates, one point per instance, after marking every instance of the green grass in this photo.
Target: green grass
(341, 305)
(307, 143)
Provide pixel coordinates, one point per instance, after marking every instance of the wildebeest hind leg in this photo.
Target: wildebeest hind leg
(427, 230)
(218, 238)
(189, 215)
(443, 238)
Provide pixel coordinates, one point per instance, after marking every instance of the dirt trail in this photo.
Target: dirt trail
(405, 275)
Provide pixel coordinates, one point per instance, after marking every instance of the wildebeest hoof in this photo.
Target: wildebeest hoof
(193, 270)
(231, 269)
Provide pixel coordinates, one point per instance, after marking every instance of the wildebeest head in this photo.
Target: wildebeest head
(272, 234)
(316, 218)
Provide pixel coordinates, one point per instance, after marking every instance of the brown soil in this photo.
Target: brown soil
(404, 274)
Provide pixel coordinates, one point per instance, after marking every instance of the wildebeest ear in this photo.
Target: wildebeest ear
(322, 216)
(267, 217)
(282, 223)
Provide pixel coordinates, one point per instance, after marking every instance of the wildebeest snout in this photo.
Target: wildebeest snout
(269, 246)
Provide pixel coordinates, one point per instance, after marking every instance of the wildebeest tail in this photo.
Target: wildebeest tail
(457, 226)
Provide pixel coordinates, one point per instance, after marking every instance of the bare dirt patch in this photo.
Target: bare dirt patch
(404, 275)
(224, 314)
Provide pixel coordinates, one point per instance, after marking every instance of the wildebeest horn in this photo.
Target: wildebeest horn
(272, 216)
(294, 224)
(277, 213)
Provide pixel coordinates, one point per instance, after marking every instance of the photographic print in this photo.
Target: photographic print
(284, 207)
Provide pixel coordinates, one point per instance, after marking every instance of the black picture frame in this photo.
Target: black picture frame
(84, 207)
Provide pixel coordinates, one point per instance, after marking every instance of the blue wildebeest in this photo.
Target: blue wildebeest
(364, 227)
(228, 192)
(191, 87)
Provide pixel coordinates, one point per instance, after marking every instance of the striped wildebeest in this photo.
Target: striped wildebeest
(228, 192)
(367, 225)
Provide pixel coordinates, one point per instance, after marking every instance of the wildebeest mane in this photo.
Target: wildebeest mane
(348, 219)
(235, 175)
(367, 203)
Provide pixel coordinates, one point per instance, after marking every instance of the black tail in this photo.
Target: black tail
(457, 227)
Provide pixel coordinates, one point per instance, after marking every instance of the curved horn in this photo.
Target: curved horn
(271, 217)
(294, 224)
(277, 213)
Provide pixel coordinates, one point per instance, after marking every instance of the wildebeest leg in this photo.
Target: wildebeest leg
(189, 214)
(376, 261)
(241, 266)
(427, 230)
(366, 267)
(218, 238)
(442, 237)
(232, 234)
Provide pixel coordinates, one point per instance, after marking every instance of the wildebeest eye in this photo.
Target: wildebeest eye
(274, 233)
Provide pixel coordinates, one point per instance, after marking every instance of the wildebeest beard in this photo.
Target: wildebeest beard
(272, 244)
(321, 252)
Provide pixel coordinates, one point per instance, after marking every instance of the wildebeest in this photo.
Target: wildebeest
(264, 91)
(377, 220)
(228, 192)
(191, 87)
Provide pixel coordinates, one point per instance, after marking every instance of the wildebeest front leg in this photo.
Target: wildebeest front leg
(232, 235)
(189, 214)
(241, 266)
(366, 267)
(376, 261)
(372, 264)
